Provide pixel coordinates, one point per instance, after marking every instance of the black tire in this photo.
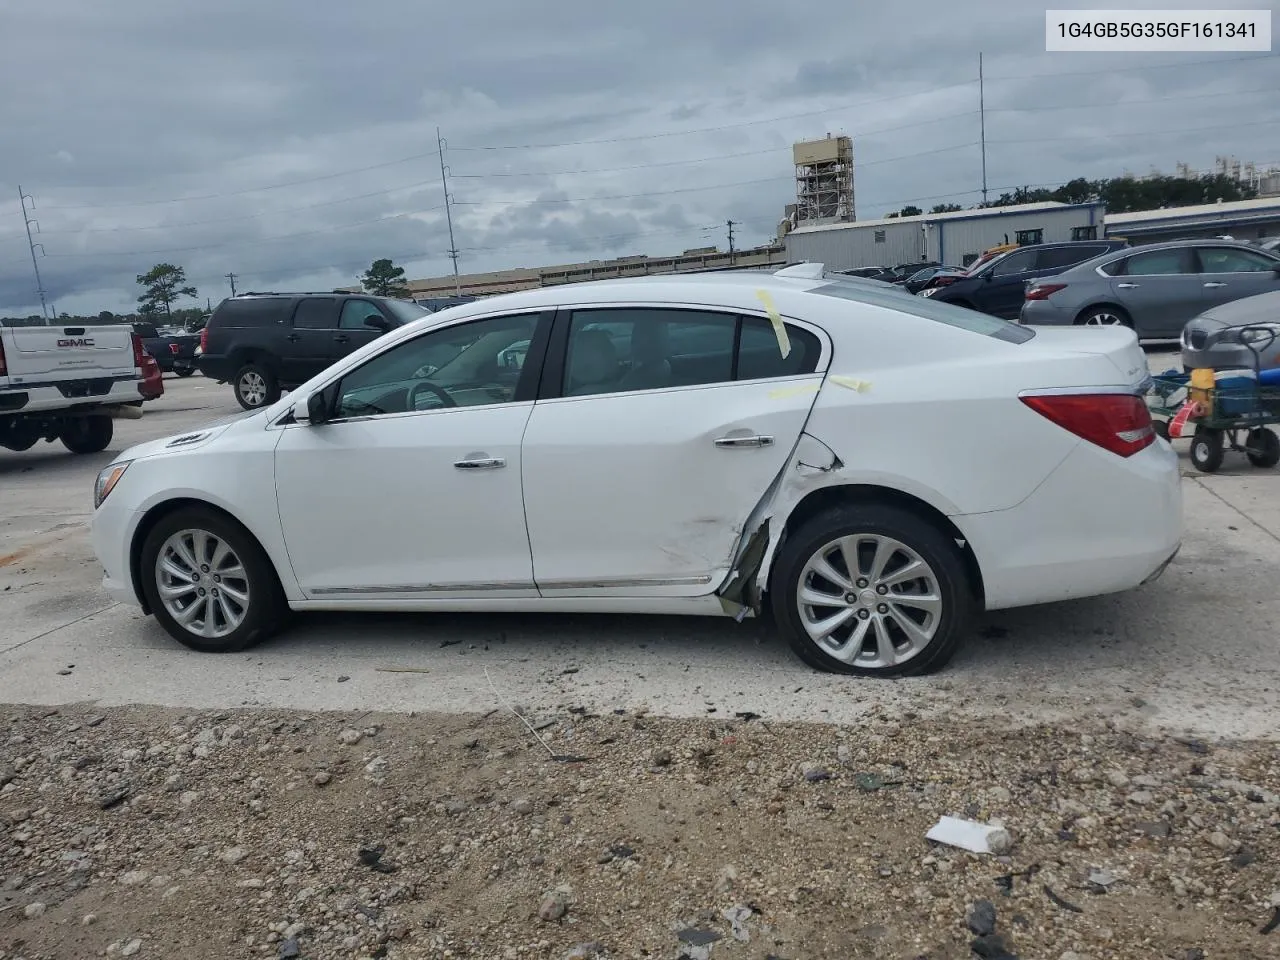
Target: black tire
(1262, 447)
(184, 371)
(1207, 449)
(1090, 318)
(1161, 427)
(933, 546)
(266, 610)
(87, 434)
(247, 380)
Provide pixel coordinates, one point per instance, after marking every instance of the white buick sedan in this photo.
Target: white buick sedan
(867, 468)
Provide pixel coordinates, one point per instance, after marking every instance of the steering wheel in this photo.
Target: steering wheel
(422, 385)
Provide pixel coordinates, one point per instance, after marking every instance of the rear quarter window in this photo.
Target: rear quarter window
(928, 309)
(250, 313)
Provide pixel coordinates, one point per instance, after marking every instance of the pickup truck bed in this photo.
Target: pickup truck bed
(67, 383)
(173, 353)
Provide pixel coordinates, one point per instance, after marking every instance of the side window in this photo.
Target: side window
(1085, 233)
(1019, 262)
(1058, 258)
(356, 312)
(614, 351)
(1028, 237)
(1159, 263)
(1229, 260)
(467, 365)
(316, 313)
(759, 355)
(256, 312)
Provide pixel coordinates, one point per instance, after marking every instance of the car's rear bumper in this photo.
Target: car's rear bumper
(50, 401)
(215, 368)
(1044, 313)
(1099, 524)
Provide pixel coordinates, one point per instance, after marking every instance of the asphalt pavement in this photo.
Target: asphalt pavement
(1198, 650)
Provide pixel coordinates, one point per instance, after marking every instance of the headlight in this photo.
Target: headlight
(107, 481)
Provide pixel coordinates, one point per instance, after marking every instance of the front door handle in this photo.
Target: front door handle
(480, 463)
(341, 338)
(756, 441)
(1213, 284)
(1127, 286)
(293, 338)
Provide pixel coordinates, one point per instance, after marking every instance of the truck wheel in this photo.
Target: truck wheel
(184, 371)
(87, 434)
(255, 386)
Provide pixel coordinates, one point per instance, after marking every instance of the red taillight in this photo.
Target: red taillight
(139, 352)
(204, 339)
(1042, 291)
(1119, 422)
(173, 348)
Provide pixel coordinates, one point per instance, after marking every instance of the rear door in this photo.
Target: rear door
(48, 355)
(1229, 273)
(656, 432)
(1159, 289)
(309, 347)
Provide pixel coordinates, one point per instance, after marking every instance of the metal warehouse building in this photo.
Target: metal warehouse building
(956, 238)
(1242, 220)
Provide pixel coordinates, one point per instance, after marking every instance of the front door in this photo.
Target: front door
(1160, 290)
(412, 489)
(652, 442)
(309, 346)
(1002, 292)
(1228, 273)
(354, 330)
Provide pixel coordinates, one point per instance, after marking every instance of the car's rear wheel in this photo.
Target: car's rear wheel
(184, 371)
(1104, 317)
(873, 590)
(87, 434)
(1262, 447)
(1207, 449)
(255, 386)
(209, 583)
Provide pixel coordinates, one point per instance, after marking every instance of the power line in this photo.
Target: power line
(1181, 64)
(448, 214)
(1144, 133)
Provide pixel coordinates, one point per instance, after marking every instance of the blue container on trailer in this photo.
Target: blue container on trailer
(1237, 392)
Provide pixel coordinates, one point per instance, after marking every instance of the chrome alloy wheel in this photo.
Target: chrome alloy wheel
(253, 388)
(202, 583)
(1103, 318)
(869, 601)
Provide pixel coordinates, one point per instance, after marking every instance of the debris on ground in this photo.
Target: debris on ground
(971, 836)
(278, 834)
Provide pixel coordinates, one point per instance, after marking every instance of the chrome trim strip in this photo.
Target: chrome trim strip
(624, 582)
(1079, 391)
(418, 588)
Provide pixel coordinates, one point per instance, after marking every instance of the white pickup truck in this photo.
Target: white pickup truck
(68, 383)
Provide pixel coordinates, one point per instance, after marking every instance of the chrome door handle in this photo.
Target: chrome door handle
(1214, 283)
(485, 463)
(756, 441)
(1127, 286)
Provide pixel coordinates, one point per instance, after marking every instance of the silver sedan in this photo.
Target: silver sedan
(1236, 334)
(1153, 289)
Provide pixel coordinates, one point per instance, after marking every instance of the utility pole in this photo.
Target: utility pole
(982, 121)
(28, 221)
(231, 278)
(732, 258)
(448, 215)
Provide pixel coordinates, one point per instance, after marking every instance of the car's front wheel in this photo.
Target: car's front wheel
(872, 589)
(209, 583)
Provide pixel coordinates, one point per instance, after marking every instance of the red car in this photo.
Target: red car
(150, 379)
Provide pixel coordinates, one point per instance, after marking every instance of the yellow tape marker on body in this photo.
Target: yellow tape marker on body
(849, 383)
(779, 328)
(785, 392)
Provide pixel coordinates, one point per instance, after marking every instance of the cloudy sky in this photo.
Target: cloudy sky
(293, 142)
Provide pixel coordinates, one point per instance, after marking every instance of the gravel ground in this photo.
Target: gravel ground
(153, 833)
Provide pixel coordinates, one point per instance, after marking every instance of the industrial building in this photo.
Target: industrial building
(1243, 220)
(956, 238)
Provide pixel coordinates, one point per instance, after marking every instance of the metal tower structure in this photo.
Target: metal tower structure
(824, 180)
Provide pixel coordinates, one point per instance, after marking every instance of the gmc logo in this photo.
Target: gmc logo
(76, 342)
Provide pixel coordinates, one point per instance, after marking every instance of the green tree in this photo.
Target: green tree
(106, 316)
(164, 283)
(910, 210)
(385, 279)
(945, 208)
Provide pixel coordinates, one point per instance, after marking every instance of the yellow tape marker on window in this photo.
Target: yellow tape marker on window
(779, 328)
(850, 383)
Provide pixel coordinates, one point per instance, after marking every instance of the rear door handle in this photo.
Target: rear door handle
(756, 441)
(480, 463)
(293, 338)
(1214, 283)
(1127, 286)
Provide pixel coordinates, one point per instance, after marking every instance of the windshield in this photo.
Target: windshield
(927, 309)
(406, 312)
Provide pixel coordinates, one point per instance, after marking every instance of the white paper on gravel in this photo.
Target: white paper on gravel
(967, 834)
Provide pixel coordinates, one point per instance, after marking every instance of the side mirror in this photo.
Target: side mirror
(377, 323)
(311, 409)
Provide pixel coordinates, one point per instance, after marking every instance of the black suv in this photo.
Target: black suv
(263, 343)
(998, 286)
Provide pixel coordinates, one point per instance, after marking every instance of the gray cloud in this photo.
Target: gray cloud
(293, 143)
